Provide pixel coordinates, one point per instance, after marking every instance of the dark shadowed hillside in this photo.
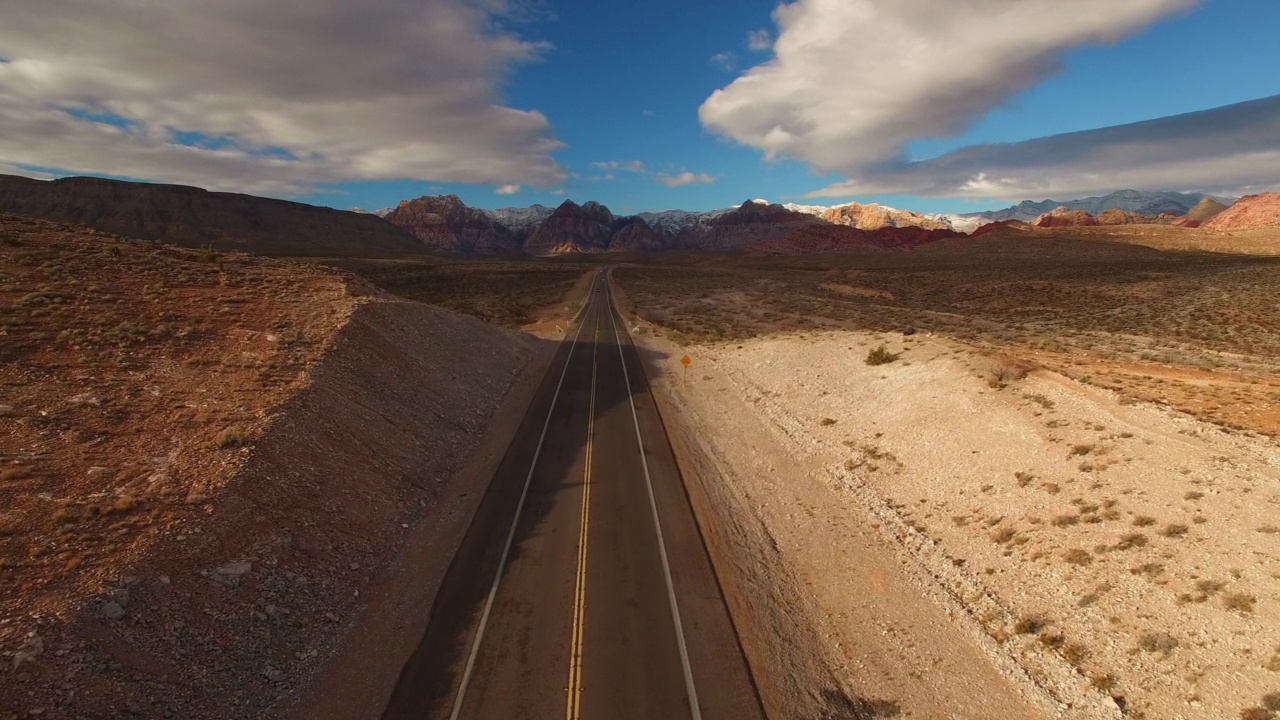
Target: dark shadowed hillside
(197, 218)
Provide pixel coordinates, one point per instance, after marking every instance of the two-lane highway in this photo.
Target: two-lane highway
(583, 588)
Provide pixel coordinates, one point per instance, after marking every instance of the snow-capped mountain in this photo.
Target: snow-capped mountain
(673, 221)
(521, 218)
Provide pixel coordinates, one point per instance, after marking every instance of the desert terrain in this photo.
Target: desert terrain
(1031, 473)
(1070, 456)
(172, 545)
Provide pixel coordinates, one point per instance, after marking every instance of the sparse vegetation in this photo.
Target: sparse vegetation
(1031, 625)
(880, 356)
(233, 436)
(1158, 642)
(1238, 601)
(1077, 556)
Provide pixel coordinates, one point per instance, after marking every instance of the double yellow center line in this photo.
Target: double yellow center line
(574, 705)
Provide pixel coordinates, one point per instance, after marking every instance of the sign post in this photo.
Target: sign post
(686, 361)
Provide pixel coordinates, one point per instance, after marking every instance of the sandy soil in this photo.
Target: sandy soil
(1045, 548)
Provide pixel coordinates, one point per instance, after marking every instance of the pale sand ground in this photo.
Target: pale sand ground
(921, 554)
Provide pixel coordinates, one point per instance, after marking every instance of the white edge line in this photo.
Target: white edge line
(511, 534)
(692, 692)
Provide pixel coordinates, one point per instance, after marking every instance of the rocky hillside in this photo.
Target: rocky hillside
(1206, 210)
(1248, 213)
(169, 532)
(751, 222)
(1066, 217)
(193, 217)
(875, 216)
(444, 224)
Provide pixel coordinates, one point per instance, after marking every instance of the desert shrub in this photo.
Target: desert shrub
(1241, 602)
(881, 356)
(1131, 541)
(233, 436)
(1031, 625)
(1077, 556)
(1161, 642)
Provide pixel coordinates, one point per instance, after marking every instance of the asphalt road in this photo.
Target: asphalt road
(583, 588)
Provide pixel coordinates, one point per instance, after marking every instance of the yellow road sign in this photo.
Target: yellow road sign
(686, 361)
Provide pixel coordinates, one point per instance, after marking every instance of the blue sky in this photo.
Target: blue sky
(614, 102)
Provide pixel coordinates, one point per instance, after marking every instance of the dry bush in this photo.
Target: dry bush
(1161, 642)
(1006, 370)
(1077, 556)
(881, 356)
(1241, 602)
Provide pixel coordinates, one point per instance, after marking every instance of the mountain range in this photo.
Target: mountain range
(444, 224)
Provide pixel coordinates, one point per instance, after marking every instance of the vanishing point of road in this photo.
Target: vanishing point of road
(583, 588)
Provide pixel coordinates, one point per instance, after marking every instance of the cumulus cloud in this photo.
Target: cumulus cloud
(269, 96)
(851, 82)
(684, 178)
(1231, 150)
(634, 166)
(759, 40)
(507, 189)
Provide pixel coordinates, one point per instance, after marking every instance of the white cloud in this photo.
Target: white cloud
(1231, 150)
(851, 82)
(292, 95)
(725, 60)
(507, 189)
(684, 178)
(634, 166)
(759, 40)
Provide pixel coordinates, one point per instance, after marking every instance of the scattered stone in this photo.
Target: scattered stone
(111, 610)
(29, 652)
(235, 569)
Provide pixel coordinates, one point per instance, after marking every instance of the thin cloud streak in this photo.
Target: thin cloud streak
(684, 178)
(1233, 150)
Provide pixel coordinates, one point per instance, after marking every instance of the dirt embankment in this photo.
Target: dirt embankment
(912, 539)
(212, 465)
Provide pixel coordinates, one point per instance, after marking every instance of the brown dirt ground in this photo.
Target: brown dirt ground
(210, 463)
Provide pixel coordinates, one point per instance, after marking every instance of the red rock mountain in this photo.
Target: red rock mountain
(444, 224)
(875, 216)
(633, 234)
(1248, 213)
(1065, 217)
(750, 223)
(572, 228)
(194, 217)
